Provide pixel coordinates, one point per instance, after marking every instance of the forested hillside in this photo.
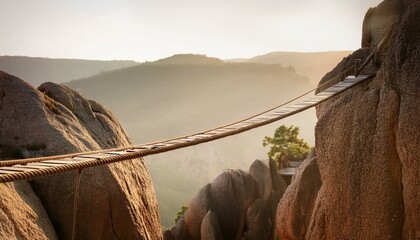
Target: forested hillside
(39, 70)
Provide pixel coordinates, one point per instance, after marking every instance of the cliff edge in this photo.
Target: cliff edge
(367, 143)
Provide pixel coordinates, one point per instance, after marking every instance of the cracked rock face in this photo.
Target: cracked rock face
(367, 147)
(115, 201)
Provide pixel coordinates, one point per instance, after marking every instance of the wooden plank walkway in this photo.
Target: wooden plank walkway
(36, 167)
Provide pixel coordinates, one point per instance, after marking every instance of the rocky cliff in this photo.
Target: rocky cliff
(116, 201)
(367, 144)
(236, 205)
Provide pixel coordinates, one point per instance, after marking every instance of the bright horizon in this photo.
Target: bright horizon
(151, 30)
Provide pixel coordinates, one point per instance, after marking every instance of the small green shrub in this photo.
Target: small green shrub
(180, 213)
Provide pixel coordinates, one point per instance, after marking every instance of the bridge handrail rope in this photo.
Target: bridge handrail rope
(11, 170)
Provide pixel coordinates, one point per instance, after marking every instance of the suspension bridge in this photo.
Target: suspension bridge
(19, 169)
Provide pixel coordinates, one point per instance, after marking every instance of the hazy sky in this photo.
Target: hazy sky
(148, 30)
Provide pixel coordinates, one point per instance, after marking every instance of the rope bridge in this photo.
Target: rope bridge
(11, 170)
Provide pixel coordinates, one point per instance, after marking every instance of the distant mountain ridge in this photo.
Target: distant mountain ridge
(314, 65)
(36, 70)
(189, 59)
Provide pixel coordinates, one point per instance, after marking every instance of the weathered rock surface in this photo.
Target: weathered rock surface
(115, 201)
(367, 147)
(296, 206)
(378, 21)
(22, 215)
(236, 205)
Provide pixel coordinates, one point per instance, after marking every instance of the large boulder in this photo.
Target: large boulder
(22, 215)
(236, 205)
(367, 147)
(114, 201)
(296, 206)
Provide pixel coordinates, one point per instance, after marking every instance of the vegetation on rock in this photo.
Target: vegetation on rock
(286, 146)
(180, 213)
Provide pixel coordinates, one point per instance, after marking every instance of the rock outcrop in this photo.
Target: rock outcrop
(295, 208)
(114, 201)
(236, 205)
(367, 145)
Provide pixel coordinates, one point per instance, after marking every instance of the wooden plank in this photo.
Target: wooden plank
(150, 146)
(96, 155)
(186, 139)
(141, 147)
(42, 164)
(14, 169)
(283, 110)
(28, 167)
(209, 133)
(6, 171)
(61, 161)
(325, 94)
(116, 153)
(205, 135)
(252, 121)
(194, 137)
(176, 141)
(292, 107)
(32, 166)
(302, 105)
(316, 99)
(164, 144)
(80, 159)
(311, 102)
(23, 168)
(262, 118)
(344, 84)
(220, 130)
(243, 124)
(273, 115)
(231, 127)
(135, 150)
